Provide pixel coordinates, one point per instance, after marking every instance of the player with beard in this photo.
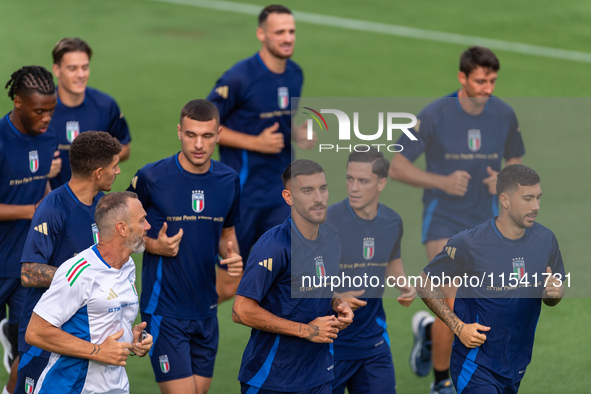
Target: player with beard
(495, 327)
(465, 137)
(253, 98)
(62, 227)
(195, 200)
(91, 334)
(290, 346)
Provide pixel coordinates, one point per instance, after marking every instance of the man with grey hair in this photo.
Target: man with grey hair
(92, 330)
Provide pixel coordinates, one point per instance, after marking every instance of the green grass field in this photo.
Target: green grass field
(154, 57)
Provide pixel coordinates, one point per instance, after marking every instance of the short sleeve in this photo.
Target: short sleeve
(142, 186)
(118, 125)
(422, 131)
(396, 252)
(45, 229)
(451, 261)
(265, 264)
(233, 216)
(514, 145)
(555, 262)
(226, 94)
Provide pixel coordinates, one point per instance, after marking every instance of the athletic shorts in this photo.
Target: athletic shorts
(369, 375)
(246, 389)
(13, 294)
(30, 367)
(182, 348)
(471, 378)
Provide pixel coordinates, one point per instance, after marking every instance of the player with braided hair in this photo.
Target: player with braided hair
(27, 146)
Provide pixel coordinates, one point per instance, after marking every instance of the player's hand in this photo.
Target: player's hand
(345, 315)
(234, 262)
(491, 180)
(56, 165)
(350, 297)
(456, 183)
(407, 296)
(553, 287)
(300, 137)
(167, 246)
(112, 352)
(141, 348)
(470, 336)
(323, 329)
(269, 141)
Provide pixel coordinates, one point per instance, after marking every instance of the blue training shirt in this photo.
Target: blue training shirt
(251, 98)
(61, 228)
(183, 287)
(25, 161)
(98, 112)
(511, 312)
(282, 362)
(455, 140)
(367, 248)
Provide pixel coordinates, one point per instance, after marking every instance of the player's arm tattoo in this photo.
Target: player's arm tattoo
(236, 317)
(313, 331)
(36, 275)
(434, 299)
(96, 350)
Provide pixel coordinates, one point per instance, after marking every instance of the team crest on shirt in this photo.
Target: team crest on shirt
(72, 130)
(519, 267)
(283, 97)
(320, 271)
(368, 248)
(198, 200)
(164, 364)
(29, 385)
(474, 140)
(33, 161)
(95, 233)
(131, 279)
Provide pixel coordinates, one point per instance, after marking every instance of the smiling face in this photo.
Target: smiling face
(479, 85)
(198, 140)
(72, 73)
(35, 111)
(522, 204)
(277, 34)
(363, 185)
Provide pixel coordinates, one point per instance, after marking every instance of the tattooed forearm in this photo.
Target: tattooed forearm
(236, 317)
(314, 331)
(96, 350)
(434, 299)
(36, 275)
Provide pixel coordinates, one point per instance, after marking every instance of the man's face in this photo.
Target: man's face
(524, 204)
(479, 85)
(277, 34)
(309, 196)
(138, 226)
(363, 185)
(198, 140)
(73, 71)
(35, 111)
(108, 174)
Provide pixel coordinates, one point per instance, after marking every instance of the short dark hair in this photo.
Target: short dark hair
(200, 110)
(379, 166)
(92, 150)
(476, 56)
(66, 45)
(30, 79)
(300, 167)
(270, 9)
(111, 209)
(515, 175)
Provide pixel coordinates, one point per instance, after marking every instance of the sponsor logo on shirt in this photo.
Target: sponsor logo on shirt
(134, 182)
(95, 233)
(72, 130)
(320, 271)
(198, 200)
(283, 97)
(42, 228)
(368, 248)
(222, 91)
(451, 252)
(29, 385)
(33, 161)
(267, 263)
(112, 294)
(474, 140)
(164, 364)
(519, 267)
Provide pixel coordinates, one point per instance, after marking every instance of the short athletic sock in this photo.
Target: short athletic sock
(441, 375)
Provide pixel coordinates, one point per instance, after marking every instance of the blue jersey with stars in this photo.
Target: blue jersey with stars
(511, 312)
(251, 98)
(25, 161)
(61, 228)
(98, 112)
(183, 287)
(455, 140)
(274, 269)
(367, 248)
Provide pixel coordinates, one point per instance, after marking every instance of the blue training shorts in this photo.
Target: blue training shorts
(369, 375)
(471, 378)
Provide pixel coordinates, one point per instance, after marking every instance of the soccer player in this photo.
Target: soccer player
(24, 134)
(464, 136)
(90, 334)
(195, 200)
(370, 235)
(290, 346)
(79, 107)
(495, 327)
(63, 226)
(253, 98)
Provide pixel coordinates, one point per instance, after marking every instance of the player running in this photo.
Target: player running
(79, 107)
(290, 346)
(90, 334)
(370, 233)
(195, 200)
(495, 327)
(63, 226)
(27, 145)
(465, 136)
